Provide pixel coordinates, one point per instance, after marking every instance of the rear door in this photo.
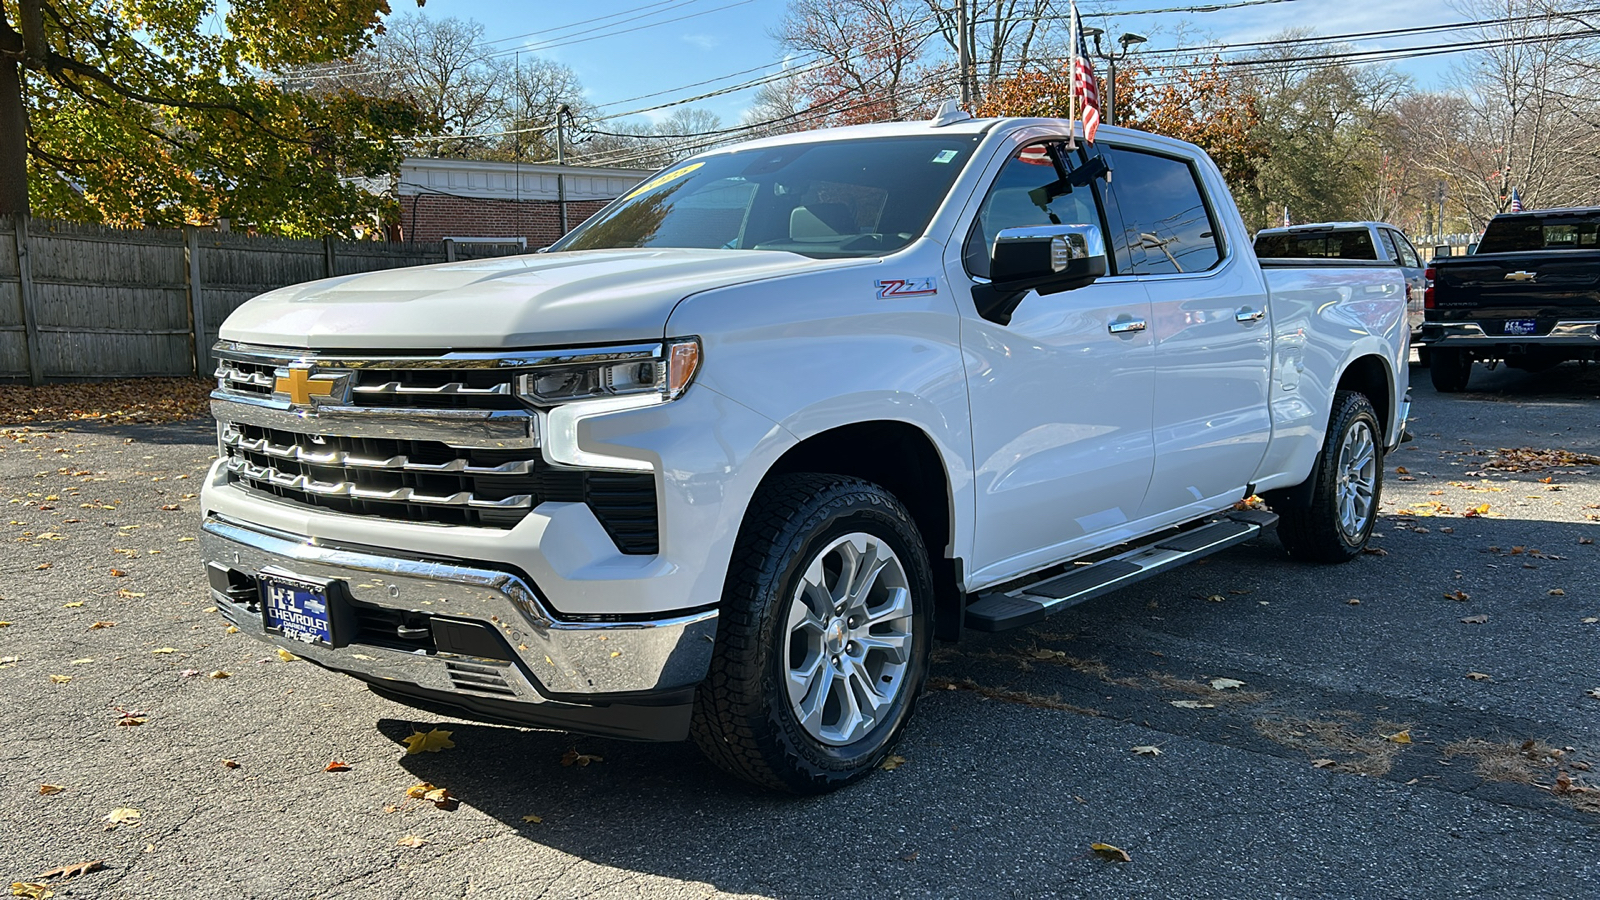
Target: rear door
(1061, 395)
(1212, 338)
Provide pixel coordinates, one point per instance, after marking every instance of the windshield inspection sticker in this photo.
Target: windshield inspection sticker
(907, 287)
(659, 180)
(944, 156)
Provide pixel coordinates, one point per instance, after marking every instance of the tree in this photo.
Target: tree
(868, 58)
(136, 113)
(1199, 104)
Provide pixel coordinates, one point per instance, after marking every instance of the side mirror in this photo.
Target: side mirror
(1044, 258)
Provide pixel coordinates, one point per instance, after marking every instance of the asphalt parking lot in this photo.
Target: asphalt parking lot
(1420, 722)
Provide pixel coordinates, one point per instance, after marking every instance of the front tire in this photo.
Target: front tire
(1450, 370)
(822, 637)
(1348, 482)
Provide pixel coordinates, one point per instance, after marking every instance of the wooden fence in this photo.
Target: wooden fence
(89, 301)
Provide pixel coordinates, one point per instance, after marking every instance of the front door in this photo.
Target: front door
(1061, 404)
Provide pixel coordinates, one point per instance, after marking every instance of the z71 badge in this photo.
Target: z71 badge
(907, 287)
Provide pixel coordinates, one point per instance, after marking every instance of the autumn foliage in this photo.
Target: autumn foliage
(1198, 104)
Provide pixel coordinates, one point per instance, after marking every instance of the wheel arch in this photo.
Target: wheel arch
(1369, 374)
(904, 460)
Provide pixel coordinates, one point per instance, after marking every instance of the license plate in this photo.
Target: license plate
(1520, 326)
(296, 607)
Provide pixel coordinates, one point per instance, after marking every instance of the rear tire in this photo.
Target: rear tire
(1450, 370)
(1348, 483)
(1424, 357)
(822, 637)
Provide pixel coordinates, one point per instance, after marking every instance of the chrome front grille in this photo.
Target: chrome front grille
(438, 439)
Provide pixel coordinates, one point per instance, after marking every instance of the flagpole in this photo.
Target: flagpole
(1072, 79)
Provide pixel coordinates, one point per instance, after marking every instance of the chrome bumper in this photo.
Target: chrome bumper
(1471, 334)
(553, 660)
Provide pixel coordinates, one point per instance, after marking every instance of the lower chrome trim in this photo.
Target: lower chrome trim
(1562, 334)
(485, 429)
(556, 659)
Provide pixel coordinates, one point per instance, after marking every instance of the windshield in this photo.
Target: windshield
(860, 197)
(1350, 244)
(1513, 234)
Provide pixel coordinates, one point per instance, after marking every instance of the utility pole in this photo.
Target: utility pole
(562, 112)
(963, 55)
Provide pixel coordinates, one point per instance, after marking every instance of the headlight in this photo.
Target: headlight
(665, 370)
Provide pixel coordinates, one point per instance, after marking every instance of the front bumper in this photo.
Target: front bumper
(1467, 335)
(478, 640)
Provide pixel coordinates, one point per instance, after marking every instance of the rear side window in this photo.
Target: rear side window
(1169, 226)
(1408, 254)
(1514, 234)
(1353, 243)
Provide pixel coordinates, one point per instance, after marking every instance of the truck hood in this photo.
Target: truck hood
(556, 299)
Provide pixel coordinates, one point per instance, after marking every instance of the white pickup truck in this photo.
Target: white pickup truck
(724, 462)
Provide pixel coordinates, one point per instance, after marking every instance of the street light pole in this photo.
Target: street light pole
(562, 112)
(1127, 41)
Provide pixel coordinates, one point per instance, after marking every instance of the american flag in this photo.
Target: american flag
(1516, 201)
(1084, 86)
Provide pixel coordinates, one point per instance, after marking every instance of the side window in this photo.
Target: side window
(1169, 225)
(1009, 205)
(1391, 251)
(1408, 253)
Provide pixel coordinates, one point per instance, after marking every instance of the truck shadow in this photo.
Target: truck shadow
(1029, 731)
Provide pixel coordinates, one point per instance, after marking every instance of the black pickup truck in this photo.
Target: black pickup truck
(1529, 296)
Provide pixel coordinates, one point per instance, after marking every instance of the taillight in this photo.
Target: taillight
(1427, 294)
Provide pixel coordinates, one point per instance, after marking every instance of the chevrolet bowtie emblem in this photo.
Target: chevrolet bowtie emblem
(302, 385)
(1520, 276)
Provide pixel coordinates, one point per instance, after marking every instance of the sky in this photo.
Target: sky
(620, 55)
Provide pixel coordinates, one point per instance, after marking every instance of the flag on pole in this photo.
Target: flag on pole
(1084, 87)
(1286, 222)
(1516, 201)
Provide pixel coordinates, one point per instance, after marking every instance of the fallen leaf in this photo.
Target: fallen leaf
(1556, 592)
(170, 507)
(230, 764)
(1353, 602)
(535, 820)
(231, 629)
(31, 890)
(889, 764)
(1591, 620)
(61, 679)
(1447, 530)
(132, 720)
(337, 765)
(1401, 470)
(1595, 693)
(411, 841)
(74, 870)
(220, 674)
(73, 605)
(1375, 551)
(129, 595)
(1145, 750)
(102, 625)
(431, 741)
(1215, 598)
(118, 573)
(1225, 684)
(8, 661)
(165, 650)
(1192, 704)
(1479, 676)
(188, 673)
(1047, 654)
(1478, 619)
(1322, 763)
(122, 815)
(1399, 737)
(1462, 596)
(1585, 540)
(1111, 853)
(48, 789)
(286, 656)
(574, 758)
(1481, 509)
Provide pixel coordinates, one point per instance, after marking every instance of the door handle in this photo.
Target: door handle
(1246, 316)
(1126, 326)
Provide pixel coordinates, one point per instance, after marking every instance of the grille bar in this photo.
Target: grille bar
(502, 389)
(300, 482)
(401, 462)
